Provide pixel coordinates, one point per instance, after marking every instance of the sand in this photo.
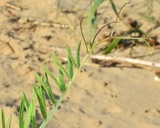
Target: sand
(123, 96)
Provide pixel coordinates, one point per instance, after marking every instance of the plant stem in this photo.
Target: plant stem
(64, 93)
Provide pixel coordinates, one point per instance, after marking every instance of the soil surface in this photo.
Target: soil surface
(104, 94)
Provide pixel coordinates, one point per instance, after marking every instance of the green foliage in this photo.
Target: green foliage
(92, 13)
(29, 115)
(3, 120)
(9, 122)
(21, 112)
(114, 7)
(49, 90)
(112, 45)
(78, 55)
(26, 102)
(45, 88)
(70, 67)
(61, 80)
(70, 58)
(59, 64)
(41, 99)
(51, 75)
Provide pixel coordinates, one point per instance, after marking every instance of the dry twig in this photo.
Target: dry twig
(141, 63)
(10, 5)
(128, 60)
(51, 24)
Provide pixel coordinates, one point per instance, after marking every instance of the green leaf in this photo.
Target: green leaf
(9, 121)
(42, 91)
(42, 82)
(61, 80)
(26, 102)
(34, 124)
(21, 112)
(47, 87)
(70, 56)
(50, 93)
(3, 118)
(112, 45)
(50, 74)
(41, 100)
(91, 15)
(29, 115)
(114, 7)
(70, 67)
(33, 120)
(59, 64)
(78, 56)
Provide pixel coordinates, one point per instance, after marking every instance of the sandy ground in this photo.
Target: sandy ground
(101, 97)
